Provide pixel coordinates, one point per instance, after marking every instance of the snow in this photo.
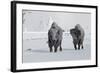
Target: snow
(37, 50)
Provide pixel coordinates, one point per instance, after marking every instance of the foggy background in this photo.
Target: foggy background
(35, 28)
(40, 21)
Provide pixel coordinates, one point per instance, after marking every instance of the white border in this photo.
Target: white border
(21, 66)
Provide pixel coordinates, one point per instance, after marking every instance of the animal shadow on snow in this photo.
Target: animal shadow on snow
(37, 50)
(46, 51)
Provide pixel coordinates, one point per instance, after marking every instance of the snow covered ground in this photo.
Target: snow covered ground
(37, 50)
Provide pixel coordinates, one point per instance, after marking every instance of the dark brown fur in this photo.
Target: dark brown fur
(55, 37)
(77, 34)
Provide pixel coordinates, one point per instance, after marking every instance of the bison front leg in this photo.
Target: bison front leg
(51, 50)
(60, 46)
(55, 47)
(75, 43)
(78, 46)
(55, 50)
(75, 46)
(50, 47)
(57, 44)
(82, 46)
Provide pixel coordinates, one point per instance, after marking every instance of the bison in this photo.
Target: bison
(77, 34)
(55, 37)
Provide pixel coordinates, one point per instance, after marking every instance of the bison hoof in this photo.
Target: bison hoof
(50, 51)
(55, 51)
(78, 48)
(75, 48)
(60, 50)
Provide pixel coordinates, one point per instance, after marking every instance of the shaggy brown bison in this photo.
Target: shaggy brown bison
(77, 34)
(55, 37)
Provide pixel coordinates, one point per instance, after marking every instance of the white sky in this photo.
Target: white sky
(36, 21)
